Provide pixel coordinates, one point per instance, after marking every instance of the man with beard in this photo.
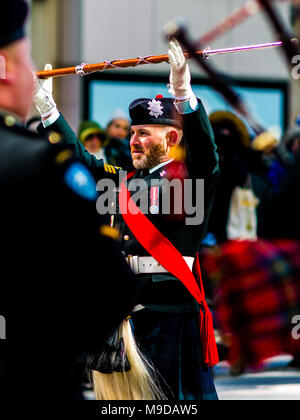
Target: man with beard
(166, 323)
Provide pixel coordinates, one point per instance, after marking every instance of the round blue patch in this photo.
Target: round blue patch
(80, 180)
(209, 240)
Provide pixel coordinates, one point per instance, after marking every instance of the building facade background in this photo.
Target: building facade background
(69, 32)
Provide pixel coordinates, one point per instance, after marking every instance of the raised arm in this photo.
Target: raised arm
(202, 158)
(61, 126)
(52, 120)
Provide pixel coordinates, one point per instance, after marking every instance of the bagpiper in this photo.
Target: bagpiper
(171, 139)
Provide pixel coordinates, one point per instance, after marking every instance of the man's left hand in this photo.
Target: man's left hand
(180, 75)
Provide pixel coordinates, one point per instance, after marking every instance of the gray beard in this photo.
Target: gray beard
(155, 156)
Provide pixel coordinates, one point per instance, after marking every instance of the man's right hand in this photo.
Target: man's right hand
(43, 95)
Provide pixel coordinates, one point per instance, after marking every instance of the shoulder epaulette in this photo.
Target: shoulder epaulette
(111, 169)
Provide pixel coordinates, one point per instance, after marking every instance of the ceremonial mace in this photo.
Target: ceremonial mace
(84, 69)
(250, 8)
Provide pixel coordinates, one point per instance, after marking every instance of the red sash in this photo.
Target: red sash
(170, 258)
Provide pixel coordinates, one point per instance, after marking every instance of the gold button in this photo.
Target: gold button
(63, 156)
(109, 231)
(55, 138)
(9, 121)
(126, 238)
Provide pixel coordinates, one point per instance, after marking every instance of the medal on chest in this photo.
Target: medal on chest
(154, 200)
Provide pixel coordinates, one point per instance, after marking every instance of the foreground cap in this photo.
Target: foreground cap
(13, 14)
(158, 111)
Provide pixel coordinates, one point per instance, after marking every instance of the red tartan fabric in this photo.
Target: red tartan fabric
(257, 297)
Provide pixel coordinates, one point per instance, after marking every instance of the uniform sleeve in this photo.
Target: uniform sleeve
(97, 166)
(202, 158)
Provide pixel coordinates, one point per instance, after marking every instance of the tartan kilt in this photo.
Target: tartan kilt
(172, 343)
(257, 298)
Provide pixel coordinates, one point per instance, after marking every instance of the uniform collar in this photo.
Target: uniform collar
(160, 166)
(6, 114)
(100, 154)
(139, 172)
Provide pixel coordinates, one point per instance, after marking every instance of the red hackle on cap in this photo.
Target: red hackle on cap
(159, 97)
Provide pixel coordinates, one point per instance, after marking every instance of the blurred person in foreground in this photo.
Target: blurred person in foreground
(55, 306)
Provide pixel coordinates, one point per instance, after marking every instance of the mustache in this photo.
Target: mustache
(137, 149)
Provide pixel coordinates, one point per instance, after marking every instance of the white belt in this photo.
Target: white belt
(149, 265)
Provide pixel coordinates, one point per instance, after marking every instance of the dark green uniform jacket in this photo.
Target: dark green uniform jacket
(164, 292)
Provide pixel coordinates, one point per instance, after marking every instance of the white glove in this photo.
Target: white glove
(180, 75)
(43, 97)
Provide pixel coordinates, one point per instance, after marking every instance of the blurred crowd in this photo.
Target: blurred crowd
(110, 144)
(253, 169)
(251, 253)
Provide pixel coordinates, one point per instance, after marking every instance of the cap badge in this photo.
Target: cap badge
(155, 108)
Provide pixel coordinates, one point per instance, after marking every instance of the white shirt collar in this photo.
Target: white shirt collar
(160, 166)
(100, 155)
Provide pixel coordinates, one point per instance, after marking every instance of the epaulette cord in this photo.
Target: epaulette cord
(63, 156)
(111, 169)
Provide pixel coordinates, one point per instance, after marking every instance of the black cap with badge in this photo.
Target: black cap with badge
(13, 14)
(158, 111)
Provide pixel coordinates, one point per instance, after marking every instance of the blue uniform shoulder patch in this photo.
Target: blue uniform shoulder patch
(80, 180)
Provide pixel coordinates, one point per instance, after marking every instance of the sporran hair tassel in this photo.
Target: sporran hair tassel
(122, 372)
